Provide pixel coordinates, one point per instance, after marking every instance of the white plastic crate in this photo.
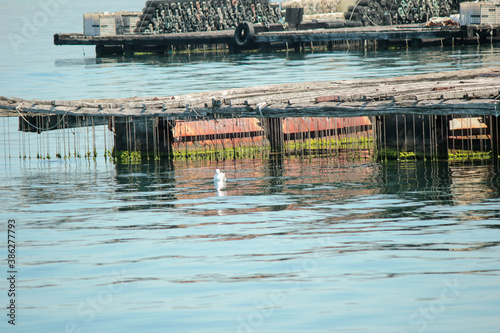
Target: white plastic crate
(126, 22)
(99, 24)
(479, 13)
(110, 24)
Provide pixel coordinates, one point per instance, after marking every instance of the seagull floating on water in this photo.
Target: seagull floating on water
(219, 179)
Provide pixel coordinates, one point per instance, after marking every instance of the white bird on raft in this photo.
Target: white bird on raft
(219, 179)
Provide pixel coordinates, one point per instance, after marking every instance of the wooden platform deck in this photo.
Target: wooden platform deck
(277, 36)
(467, 92)
(207, 37)
(378, 33)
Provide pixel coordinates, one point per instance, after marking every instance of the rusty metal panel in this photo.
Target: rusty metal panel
(315, 124)
(216, 127)
(249, 130)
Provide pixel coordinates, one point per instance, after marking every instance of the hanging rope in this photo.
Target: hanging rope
(19, 110)
(496, 102)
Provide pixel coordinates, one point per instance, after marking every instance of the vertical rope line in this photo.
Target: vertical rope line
(376, 138)
(105, 139)
(328, 136)
(75, 136)
(497, 136)
(165, 133)
(46, 135)
(76, 133)
(171, 139)
(42, 143)
(385, 136)
(414, 136)
(38, 145)
(20, 138)
(186, 148)
(431, 137)
(309, 135)
(405, 144)
(358, 128)
(462, 133)
(37, 139)
(222, 144)
(234, 136)
(448, 134)
(301, 129)
(423, 137)
(147, 136)
(295, 135)
(26, 137)
(454, 135)
(73, 130)
(64, 134)
(343, 138)
(491, 135)
(154, 122)
(66, 139)
(481, 141)
(129, 135)
(397, 137)
(135, 135)
(87, 138)
(57, 137)
(94, 148)
(157, 136)
(471, 142)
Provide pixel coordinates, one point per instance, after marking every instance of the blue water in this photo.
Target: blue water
(292, 245)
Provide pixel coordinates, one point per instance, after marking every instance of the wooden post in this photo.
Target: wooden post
(128, 49)
(442, 137)
(409, 133)
(144, 135)
(494, 123)
(273, 128)
(377, 135)
(103, 50)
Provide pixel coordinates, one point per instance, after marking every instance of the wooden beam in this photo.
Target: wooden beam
(474, 92)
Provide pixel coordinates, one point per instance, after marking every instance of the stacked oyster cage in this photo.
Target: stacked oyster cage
(163, 16)
(387, 12)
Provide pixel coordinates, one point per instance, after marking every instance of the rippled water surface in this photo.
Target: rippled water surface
(290, 245)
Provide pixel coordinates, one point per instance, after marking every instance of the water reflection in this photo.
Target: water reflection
(146, 185)
(334, 230)
(166, 75)
(284, 184)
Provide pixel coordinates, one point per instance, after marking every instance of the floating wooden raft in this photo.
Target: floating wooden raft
(472, 92)
(256, 36)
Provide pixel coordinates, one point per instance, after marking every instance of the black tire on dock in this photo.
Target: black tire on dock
(155, 3)
(353, 24)
(149, 10)
(363, 2)
(244, 34)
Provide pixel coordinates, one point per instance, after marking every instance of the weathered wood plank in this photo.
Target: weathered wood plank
(472, 92)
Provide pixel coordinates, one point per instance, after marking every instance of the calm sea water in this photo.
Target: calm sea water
(291, 245)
